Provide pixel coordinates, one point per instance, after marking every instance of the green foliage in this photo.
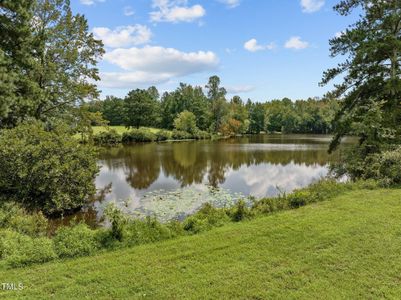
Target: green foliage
(141, 108)
(185, 121)
(117, 219)
(163, 135)
(371, 73)
(13, 217)
(181, 135)
(384, 167)
(52, 56)
(205, 219)
(78, 240)
(110, 137)
(185, 98)
(138, 232)
(113, 110)
(202, 135)
(18, 250)
(138, 136)
(240, 212)
(44, 169)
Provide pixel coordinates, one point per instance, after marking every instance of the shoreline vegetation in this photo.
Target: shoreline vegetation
(114, 135)
(347, 247)
(25, 239)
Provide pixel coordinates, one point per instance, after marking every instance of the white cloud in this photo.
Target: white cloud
(175, 11)
(152, 65)
(123, 36)
(310, 6)
(296, 43)
(132, 79)
(231, 3)
(90, 2)
(253, 46)
(239, 89)
(128, 11)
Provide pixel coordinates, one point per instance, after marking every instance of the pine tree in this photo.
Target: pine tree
(372, 74)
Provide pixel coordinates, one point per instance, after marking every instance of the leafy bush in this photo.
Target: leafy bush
(13, 217)
(140, 135)
(110, 137)
(117, 220)
(163, 135)
(185, 121)
(206, 218)
(240, 212)
(202, 135)
(18, 250)
(384, 167)
(181, 135)
(138, 232)
(390, 167)
(44, 169)
(74, 241)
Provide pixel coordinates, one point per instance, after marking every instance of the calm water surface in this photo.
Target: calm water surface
(170, 180)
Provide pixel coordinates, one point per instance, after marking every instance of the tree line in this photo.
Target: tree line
(214, 112)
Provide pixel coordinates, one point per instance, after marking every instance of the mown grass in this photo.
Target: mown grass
(347, 248)
(119, 129)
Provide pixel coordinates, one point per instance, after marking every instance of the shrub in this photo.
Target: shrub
(202, 135)
(74, 241)
(140, 135)
(44, 169)
(138, 232)
(206, 218)
(240, 212)
(163, 135)
(389, 170)
(185, 121)
(12, 216)
(299, 198)
(110, 137)
(18, 250)
(181, 135)
(231, 127)
(117, 220)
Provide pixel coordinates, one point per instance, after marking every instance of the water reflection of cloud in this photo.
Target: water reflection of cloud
(263, 180)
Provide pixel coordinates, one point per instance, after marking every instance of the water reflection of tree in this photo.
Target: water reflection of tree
(186, 162)
(189, 162)
(141, 163)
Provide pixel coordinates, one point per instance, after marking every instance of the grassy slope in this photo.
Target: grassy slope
(349, 247)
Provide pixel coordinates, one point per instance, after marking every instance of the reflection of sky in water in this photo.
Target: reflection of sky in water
(265, 179)
(253, 166)
(256, 180)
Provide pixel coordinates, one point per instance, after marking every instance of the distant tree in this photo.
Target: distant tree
(113, 110)
(218, 103)
(257, 117)
(185, 97)
(140, 109)
(186, 121)
(371, 73)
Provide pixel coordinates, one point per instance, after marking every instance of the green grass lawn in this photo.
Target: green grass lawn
(119, 129)
(346, 248)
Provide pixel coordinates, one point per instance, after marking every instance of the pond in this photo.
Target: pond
(172, 179)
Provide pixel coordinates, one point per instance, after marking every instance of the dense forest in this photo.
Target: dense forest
(212, 112)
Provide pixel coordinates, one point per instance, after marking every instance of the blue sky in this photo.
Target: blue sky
(261, 49)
